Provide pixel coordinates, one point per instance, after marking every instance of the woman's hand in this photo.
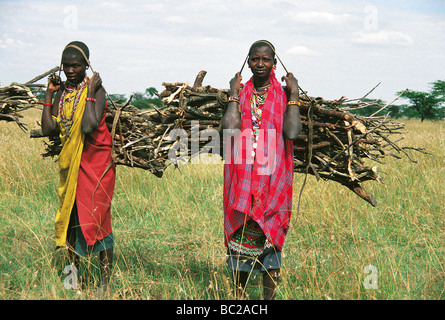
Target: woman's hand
(291, 85)
(95, 106)
(231, 119)
(292, 121)
(53, 86)
(235, 85)
(95, 83)
(49, 126)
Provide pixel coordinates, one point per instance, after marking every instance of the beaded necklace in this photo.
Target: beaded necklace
(68, 122)
(256, 103)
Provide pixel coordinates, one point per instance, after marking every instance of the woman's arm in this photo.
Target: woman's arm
(232, 117)
(94, 106)
(50, 108)
(292, 121)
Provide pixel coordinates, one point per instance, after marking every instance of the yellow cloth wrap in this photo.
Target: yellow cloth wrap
(69, 163)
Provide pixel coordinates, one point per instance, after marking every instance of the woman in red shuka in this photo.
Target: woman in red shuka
(263, 119)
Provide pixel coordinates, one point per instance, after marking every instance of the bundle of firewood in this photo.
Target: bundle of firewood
(149, 139)
(14, 99)
(334, 144)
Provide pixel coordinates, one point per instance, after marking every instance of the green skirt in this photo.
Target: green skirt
(80, 246)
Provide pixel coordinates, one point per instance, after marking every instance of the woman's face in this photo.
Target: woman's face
(261, 61)
(74, 67)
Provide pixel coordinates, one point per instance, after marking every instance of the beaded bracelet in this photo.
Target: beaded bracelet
(54, 118)
(234, 99)
(90, 99)
(293, 103)
(48, 104)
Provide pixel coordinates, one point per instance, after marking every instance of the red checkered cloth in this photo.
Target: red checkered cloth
(262, 191)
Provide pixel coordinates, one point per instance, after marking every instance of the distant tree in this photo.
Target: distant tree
(395, 111)
(39, 93)
(372, 107)
(426, 105)
(147, 99)
(117, 97)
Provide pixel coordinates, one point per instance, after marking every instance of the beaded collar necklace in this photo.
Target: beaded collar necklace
(257, 101)
(68, 121)
(260, 95)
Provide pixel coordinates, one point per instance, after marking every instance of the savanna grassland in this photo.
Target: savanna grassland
(169, 232)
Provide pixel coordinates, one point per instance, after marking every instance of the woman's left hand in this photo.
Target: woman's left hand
(291, 83)
(95, 82)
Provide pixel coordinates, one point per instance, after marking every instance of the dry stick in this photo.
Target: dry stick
(178, 91)
(310, 142)
(347, 148)
(43, 75)
(133, 142)
(245, 60)
(8, 117)
(335, 137)
(361, 99)
(350, 152)
(351, 144)
(199, 78)
(154, 107)
(396, 147)
(160, 141)
(310, 115)
(388, 104)
(113, 133)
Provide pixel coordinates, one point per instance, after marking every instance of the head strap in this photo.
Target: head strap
(273, 49)
(83, 54)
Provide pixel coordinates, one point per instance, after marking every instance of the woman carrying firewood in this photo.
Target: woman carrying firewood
(263, 119)
(86, 171)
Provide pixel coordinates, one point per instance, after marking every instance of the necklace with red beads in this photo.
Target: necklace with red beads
(68, 121)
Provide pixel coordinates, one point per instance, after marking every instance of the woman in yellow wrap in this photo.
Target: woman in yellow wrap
(86, 170)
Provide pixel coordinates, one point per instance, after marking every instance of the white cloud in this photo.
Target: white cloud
(111, 4)
(153, 7)
(383, 37)
(311, 17)
(177, 19)
(8, 42)
(302, 51)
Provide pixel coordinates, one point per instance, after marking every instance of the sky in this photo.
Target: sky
(334, 48)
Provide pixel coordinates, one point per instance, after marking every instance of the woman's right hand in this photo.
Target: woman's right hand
(52, 87)
(235, 85)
